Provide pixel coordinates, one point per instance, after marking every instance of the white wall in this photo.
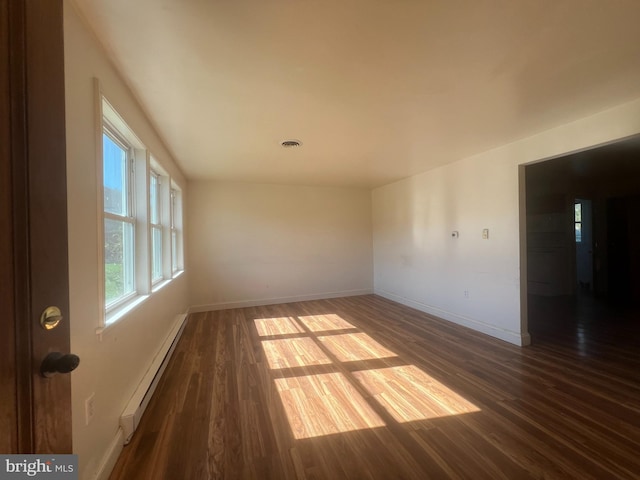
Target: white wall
(417, 262)
(112, 366)
(255, 243)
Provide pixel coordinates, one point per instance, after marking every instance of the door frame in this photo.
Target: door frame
(33, 240)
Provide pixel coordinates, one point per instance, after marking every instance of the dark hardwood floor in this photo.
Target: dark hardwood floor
(364, 388)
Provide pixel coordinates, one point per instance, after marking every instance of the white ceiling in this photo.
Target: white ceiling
(376, 90)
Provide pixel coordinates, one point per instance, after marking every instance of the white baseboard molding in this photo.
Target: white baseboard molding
(275, 301)
(132, 414)
(491, 330)
(110, 457)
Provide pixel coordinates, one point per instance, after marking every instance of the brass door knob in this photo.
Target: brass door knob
(50, 318)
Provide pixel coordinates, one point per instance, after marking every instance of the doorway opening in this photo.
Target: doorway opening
(583, 245)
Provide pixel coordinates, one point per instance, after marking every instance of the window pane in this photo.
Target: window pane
(156, 253)
(114, 177)
(118, 260)
(154, 199)
(578, 232)
(578, 214)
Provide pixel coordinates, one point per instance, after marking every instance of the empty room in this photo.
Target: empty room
(302, 239)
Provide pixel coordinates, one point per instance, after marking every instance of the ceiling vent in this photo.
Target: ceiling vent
(291, 143)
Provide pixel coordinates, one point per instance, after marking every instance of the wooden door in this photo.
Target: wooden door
(35, 412)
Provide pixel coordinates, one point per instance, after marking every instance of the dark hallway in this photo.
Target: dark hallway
(584, 283)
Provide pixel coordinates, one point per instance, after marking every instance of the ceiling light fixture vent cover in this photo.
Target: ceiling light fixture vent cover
(291, 143)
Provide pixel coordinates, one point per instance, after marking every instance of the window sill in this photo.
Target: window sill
(160, 285)
(115, 315)
(177, 273)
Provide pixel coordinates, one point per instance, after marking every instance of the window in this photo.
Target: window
(176, 231)
(577, 218)
(155, 220)
(123, 164)
(119, 222)
(141, 217)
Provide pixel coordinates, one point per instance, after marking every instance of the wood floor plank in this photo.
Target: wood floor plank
(365, 388)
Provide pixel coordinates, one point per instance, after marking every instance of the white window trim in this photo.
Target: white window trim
(176, 225)
(158, 226)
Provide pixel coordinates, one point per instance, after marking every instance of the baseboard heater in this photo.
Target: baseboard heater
(132, 414)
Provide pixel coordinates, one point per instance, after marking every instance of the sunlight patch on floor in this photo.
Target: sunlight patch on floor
(352, 347)
(293, 352)
(329, 400)
(277, 326)
(325, 323)
(324, 404)
(408, 394)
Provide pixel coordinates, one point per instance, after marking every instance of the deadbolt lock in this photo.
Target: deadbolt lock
(50, 318)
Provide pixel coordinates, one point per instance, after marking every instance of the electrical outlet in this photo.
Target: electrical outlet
(466, 294)
(485, 234)
(89, 408)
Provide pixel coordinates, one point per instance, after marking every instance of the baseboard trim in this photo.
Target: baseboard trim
(491, 330)
(110, 457)
(275, 301)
